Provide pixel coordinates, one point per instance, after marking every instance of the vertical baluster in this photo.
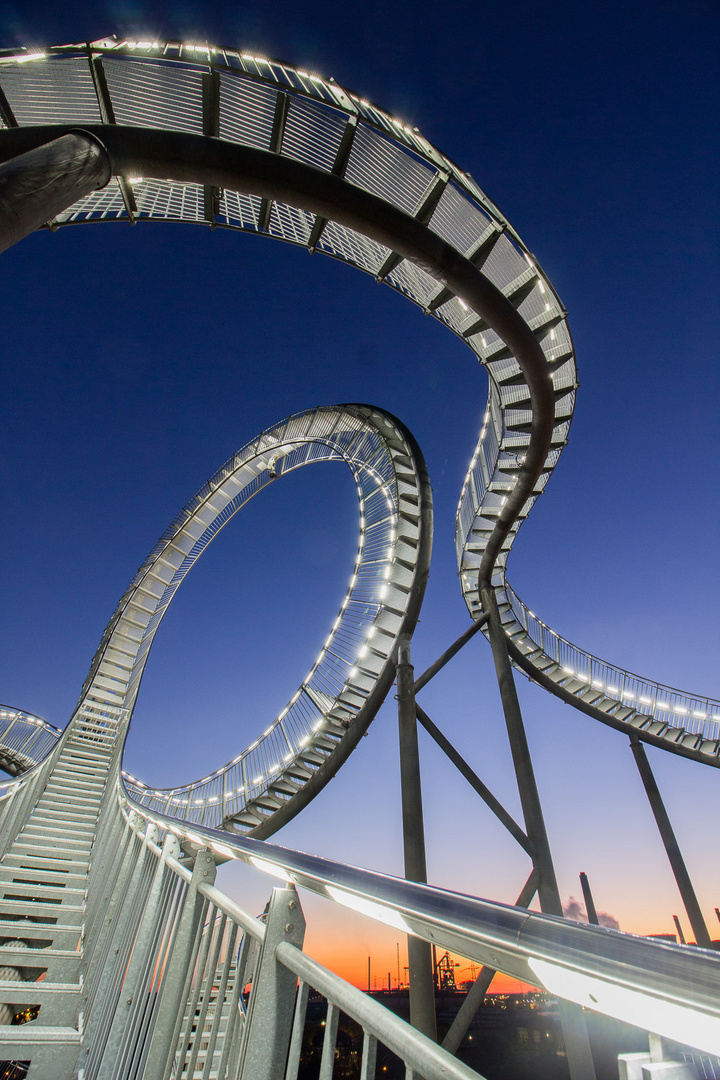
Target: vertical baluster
(220, 1007)
(328, 1050)
(296, 1039)
(369, 1057)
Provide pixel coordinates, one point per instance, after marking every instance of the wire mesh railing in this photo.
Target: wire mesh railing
(695, 714)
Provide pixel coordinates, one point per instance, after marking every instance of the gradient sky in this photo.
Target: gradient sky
(135, 361)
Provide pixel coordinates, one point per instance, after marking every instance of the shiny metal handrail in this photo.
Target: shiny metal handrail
(669, 989)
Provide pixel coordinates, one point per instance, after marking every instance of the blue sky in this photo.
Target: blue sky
(134, 362)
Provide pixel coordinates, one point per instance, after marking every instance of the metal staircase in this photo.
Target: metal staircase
(43, 889)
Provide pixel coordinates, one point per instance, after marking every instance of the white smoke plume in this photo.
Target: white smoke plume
(573, 909)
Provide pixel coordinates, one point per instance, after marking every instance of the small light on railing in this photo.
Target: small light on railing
(368, 907)
(662, 705)
(222, 850)
(700, 715)
(270, 868)
(645, 700)
(679, 709)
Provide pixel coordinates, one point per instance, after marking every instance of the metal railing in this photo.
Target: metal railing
(24, 739)
(182, 982)
(698, 715)
(667, 989)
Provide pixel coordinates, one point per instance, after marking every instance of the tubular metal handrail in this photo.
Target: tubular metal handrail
(131, 962)
(653, 984)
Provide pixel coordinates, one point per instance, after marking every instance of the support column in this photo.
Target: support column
(548, 891)
(577, 1044)
(38, 185)
(677, 863)
(420, 968)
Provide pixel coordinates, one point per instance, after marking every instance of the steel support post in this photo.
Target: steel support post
(41, 183)
(179, 970)
(677, 863)
(271, 1008)
(548, 892)
(420, 967)
(577, 1044)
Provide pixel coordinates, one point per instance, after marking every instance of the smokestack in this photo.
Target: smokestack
(678, 927)
(588, 898)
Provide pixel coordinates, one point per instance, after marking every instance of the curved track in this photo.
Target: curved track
(242, 142)
(302, 748)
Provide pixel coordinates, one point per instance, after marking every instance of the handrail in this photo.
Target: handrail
(378, 1023)
(666, 988)
(658, 700)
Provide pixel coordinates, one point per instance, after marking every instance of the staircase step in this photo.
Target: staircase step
(34, 1034)
(70, 912)
(49, 868)
(62, 935)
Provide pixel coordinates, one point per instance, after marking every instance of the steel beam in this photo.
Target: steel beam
(420, 967)
(37, 185)
(574, 1028)
(474, 780)
(672, 848)
(455, 648)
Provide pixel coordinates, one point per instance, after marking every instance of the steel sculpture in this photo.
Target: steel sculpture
(135, 131)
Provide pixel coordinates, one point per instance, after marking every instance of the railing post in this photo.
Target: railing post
(108, 951)
(178, 973)
(271, 1007)
(420, 968)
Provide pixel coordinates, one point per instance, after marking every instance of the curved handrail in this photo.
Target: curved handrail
(666, 988)
(25, 740)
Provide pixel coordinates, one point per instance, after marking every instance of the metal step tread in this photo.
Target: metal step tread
(27, 957)
(44, 988)
(50, 873)
(42, 888)
(26, 1034)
